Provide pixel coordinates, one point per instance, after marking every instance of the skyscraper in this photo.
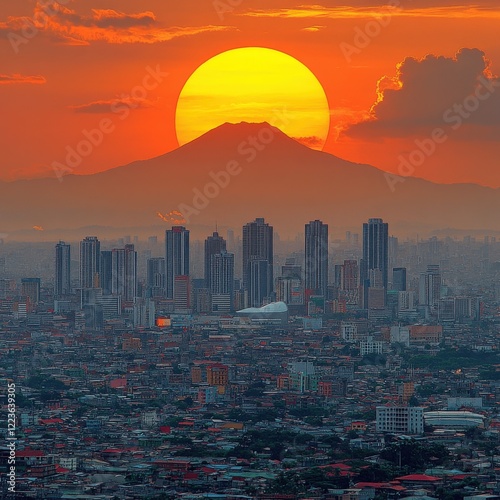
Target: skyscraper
(222, 273)
(430, 286)
(176, 256)
(375, 249)
(213, 245)
(155, 280)
(222, 281)
(316, 257)
(90, 249)
(124, 272)
(258, 246)
(30, 289)
(106, 272)
(258, 284)
(62, 284)
(399, 279)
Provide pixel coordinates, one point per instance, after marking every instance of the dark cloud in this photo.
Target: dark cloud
(107, 106)
(429, 92)
(64, 25)
(16, 79)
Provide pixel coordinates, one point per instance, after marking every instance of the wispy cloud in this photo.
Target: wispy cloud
(67, 26)
(349, 12)
(313, 29)
(16, 79)
(106, 106)
(313, 142)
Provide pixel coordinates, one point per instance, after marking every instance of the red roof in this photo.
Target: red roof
(50, 421)
(419, 477)
(386, 486)
(337, 466)
(28, 452)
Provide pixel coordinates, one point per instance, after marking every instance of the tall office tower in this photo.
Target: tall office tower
(106, 272)
(222, 281)
(291, 269)
(399, 279)
(2, 267)
(213, 245)
(258, 282)
(63, 270)
(316, 257)
(182, 293)
(124, 272)
(350, 275)
(375, 249)
(176, 256)
(230, 240)
(258, 246)
(155, 278)
(90, 250)
(30, 288)
(290, 290)
(222, 273)
(430, 286)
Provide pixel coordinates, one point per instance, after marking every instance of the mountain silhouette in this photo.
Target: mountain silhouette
(235, 173)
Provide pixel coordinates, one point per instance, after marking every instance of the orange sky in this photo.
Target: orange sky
(63, 68)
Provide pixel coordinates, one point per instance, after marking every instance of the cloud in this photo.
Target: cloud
(173, 217)
(312, 142)
(65, 25)
(428, 92)
(313, 29)
(397, 9)
(107, 106)
(16, 79)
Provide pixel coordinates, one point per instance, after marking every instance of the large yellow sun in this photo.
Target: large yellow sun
(254, 84)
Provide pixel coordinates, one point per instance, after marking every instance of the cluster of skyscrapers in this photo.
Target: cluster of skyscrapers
(109, 277)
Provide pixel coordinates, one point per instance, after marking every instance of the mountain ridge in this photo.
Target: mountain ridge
(239, 172)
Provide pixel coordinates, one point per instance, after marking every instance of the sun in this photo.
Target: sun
(254, 84)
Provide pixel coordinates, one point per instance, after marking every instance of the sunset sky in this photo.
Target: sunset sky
(403, 79)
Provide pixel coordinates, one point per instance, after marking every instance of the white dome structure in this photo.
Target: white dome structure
(273, 313)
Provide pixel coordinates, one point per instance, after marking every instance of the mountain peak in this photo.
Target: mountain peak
(236, 133)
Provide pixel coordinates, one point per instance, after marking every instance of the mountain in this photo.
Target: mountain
(233, 174)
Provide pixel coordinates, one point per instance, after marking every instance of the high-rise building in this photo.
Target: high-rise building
(290, 290)
(62, 284)
(400, 419)
(430, 286)
(90, 250)
(316, 257)
(124, 272)
(222, 273)
(214, 244)
(399, 279)
(350, 275)
(258, 285)
(375, 249)
(258, 247)
(155, 279)
(106, 272)
(176, 256)
(291, 269)
(30, 289)
(182, 293)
